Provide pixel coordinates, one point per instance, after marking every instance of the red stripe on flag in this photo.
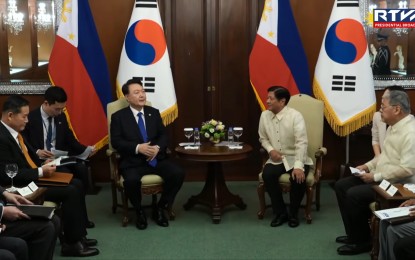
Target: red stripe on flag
(84, 106)
(268, 68)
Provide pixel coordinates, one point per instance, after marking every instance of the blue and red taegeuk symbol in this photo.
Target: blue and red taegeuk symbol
(345, 41)
(145, 43)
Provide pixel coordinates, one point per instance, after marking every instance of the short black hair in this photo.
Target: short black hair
(280, 93)
(125, 88)
(55, 94)
(14, 104)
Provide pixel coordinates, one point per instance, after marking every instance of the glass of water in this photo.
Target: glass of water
(11, 171)
(237, 132)
(188, 132)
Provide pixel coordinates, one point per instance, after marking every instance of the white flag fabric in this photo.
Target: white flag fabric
(343, 77)
(145, 56)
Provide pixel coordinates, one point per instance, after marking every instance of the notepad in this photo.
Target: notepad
(37, 211)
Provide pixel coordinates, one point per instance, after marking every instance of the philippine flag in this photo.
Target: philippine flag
(145, 56)
(278, 57)
(343, 77)
(77, 64)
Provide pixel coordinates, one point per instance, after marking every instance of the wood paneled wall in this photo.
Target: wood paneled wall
(204, 34)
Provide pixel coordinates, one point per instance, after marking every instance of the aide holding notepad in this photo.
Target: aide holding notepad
(14, 149)
(48, 130)
(396, 163)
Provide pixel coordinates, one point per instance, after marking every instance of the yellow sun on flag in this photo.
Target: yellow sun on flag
(369, 19)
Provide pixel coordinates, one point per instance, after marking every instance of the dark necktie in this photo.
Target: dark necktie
(49, 135)
(143, 132)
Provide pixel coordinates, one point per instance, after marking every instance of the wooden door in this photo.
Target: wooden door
(209, 44)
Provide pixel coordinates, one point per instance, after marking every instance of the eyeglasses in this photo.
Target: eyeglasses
(383, 107)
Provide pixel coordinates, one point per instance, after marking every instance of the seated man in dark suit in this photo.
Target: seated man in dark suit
(22, 238)
(138, 134)
(13, 149)
(48, 128)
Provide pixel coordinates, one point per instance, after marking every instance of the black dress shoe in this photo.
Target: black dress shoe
(88, 242)
(78, 250)
(160, 217)
(293, 221)
(343, 240)
(90, 224)
(353, 249)
(141, 220)
(279, 220)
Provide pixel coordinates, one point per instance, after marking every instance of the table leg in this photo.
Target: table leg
(215, 193)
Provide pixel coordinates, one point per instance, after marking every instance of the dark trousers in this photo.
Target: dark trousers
(39, 238)
(171, 174)
(271, 174)
(80, 172)
(353, 197)
(13, 248)
(73, 209)
(404, 248)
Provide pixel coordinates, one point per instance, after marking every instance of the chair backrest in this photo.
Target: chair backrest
(313, 112)
(111, 109)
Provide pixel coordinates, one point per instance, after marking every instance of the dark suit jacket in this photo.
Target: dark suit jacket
(65, 140)
(10, 152)
(125, 135)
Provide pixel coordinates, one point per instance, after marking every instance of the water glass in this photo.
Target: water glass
(11, 171)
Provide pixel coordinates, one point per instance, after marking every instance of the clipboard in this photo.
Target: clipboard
(57, 179)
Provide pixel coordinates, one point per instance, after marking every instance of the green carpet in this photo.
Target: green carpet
(240, 235)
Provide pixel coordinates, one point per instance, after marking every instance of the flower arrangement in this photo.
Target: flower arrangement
(214, 130)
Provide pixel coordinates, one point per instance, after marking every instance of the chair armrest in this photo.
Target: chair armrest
(114, 157)
(320, 153)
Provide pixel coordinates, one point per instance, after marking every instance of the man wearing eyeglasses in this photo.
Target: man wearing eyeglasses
(396, 164)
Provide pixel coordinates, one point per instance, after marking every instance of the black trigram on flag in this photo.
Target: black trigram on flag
(347, 3)
(343, 83)
(146, 3)
(149, 83)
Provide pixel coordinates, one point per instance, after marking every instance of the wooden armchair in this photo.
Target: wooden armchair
(313, 113)
(151, 184)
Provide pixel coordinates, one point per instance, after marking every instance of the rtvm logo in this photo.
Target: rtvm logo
(394, 18)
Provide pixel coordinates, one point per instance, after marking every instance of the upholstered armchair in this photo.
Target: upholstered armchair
(313, 113)
(151, 184)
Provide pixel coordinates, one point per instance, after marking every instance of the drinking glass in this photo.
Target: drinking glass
(11, 171)
(188, 132)
(237, 131)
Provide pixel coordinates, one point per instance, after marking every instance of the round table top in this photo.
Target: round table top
(208, 152)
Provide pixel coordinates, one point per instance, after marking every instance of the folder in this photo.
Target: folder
(37, 211)
(57, 179)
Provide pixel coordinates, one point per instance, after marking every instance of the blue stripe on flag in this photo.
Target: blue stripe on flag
(92, 55)
(291, 48)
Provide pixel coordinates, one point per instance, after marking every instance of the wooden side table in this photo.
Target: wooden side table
(215, 193)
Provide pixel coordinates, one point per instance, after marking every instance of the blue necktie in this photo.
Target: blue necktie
(143, 132)
(49, 135)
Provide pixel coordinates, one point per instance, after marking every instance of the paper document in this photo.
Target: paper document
(58, 153)
(286, 164)
(63, 160)
(356, 171)
(83, 156)
(393, 212)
